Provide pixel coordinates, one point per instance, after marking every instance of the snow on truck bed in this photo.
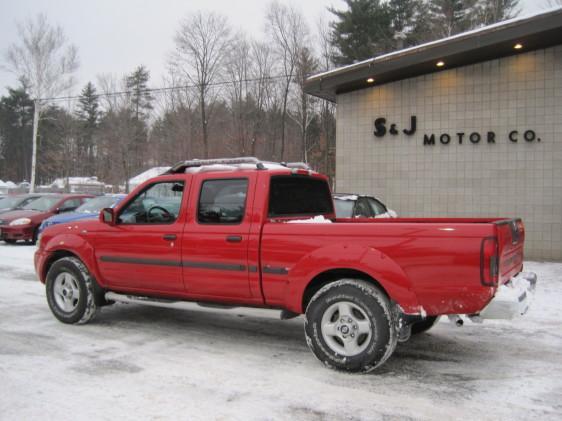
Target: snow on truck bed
(136, 362)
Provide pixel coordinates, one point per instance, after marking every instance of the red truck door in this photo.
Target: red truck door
(216, 237)
(142, 251)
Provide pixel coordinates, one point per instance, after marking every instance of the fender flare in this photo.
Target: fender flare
(77, 246)
(368, 260)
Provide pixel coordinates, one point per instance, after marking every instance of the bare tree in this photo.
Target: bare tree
(303, 105)
(45, 62)
(201, 44)
(289, 33)
(238, 68)
(263, 90)
(327, 108)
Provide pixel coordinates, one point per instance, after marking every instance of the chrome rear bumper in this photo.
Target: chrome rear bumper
(513, 298)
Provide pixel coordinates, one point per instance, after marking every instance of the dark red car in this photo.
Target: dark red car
(22, 224)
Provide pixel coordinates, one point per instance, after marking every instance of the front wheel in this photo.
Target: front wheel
(70, 291)
(350, 326)
(10, 241)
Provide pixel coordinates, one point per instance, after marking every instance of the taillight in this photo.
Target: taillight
(489, 261)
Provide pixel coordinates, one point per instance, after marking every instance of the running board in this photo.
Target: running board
(160, 302)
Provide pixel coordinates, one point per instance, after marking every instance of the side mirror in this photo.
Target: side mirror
(107, 216)
(392, 213)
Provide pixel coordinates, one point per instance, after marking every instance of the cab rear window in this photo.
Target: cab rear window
(299, 195)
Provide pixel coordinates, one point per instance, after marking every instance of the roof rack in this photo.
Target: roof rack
(180, 167)
(297, 165)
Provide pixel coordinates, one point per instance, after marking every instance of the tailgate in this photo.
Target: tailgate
(511, 238)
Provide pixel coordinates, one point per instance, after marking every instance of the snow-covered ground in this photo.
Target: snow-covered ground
(143, 362)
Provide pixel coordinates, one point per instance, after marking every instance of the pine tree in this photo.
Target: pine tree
(16, 122)
(140, 98)
(492, 11)
(409, 21)
(88, 119)
(140, 104)
(362, 31)
(450, 17)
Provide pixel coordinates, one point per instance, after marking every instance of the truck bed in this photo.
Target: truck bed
(429, 265)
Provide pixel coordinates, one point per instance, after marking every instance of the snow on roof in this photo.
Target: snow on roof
(148, 174)
(62, 182)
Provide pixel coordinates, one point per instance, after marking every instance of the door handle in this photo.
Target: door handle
(233, 238)
(169, 237)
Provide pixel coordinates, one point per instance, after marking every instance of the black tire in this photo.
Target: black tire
(82, 309)
(368, 304)
(424, 325)
(10, 241)
(35, 235)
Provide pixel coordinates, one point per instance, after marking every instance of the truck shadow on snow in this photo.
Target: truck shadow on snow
(446, 353)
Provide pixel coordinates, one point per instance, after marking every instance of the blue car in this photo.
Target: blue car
(89, 210)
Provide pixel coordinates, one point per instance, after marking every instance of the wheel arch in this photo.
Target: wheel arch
(336, 261)
(53, 257)
(332, 275)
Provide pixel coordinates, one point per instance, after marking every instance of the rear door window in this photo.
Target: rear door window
(222, 201)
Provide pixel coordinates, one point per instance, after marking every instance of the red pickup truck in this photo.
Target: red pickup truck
(242, 232)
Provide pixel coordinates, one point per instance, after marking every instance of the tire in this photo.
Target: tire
(70, 291)
(35, 235)
(10, 241)
(424, 325)
(361, 343)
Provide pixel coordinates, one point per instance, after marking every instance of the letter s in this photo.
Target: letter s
(380, 129)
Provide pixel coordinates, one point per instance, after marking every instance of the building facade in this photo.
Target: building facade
(480, 139)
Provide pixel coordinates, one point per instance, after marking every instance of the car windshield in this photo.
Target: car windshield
(344, 208)
(9, 202)
(96, 204)
(42, 204)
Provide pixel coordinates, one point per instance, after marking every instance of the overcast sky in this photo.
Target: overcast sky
(115, 36)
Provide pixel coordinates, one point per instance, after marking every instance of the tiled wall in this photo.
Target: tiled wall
(522, 92)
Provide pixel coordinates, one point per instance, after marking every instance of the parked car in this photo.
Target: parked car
(247, 233)
(89, 210)
(360, 206)
(10, 203)
(23, 224)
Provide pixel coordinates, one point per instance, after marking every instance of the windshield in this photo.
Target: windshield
(344, 208)
(9, 202)
(96, 204)
(42, 204)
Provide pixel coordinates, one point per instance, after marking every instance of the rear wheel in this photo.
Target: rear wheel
(349, 326)
(70, 291)
(10, 241)
(424, 325)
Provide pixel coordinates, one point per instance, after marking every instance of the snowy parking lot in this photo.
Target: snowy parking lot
(152, 363)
